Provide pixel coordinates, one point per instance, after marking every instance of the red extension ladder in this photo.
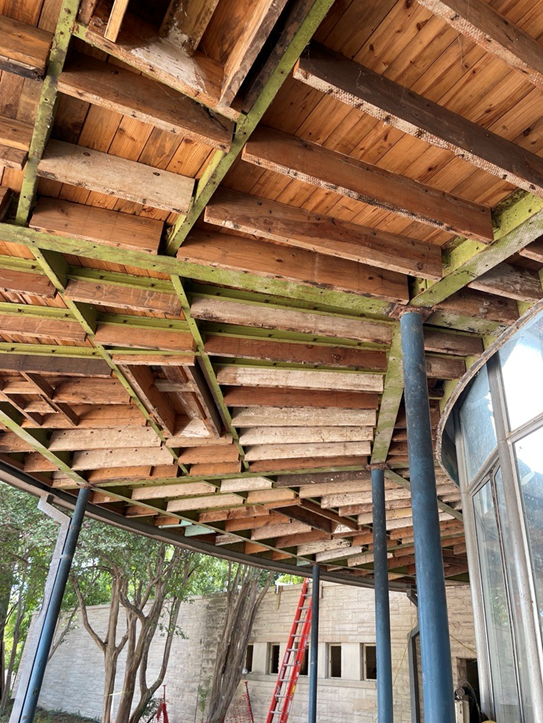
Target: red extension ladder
(289, 672)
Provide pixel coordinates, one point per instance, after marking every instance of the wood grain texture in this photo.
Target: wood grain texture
(299, 379)
(185, 22)
(24, 49)
(26, 283)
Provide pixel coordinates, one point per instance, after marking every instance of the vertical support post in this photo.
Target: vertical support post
(49, 624)
(437, 682)
(385, 711)
(314, 645)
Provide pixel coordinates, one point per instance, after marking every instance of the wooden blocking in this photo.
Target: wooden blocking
(143, 338)
(185, 22)
(54, 365)
(323, 234)
(15, 138)
(265, 317)
(330, 480)
(304, 435)
(279, 530)
(313, 451)
(444, 368)
(157, 404)
(120, 90)
(41, 328)
(472, 305)
(132, 298)
(311, 163)
(214, 469)
(272, 466)
(411, 113)
(451, 343)
(219, 454)
(274, 261)
(299, 379)
(184, 489)
(255, 22)
(246, 484)
(196, 398)
(12, 157)
(114, 176)
(24, 49)
(205, 503)
(511, 282)
(112, 438)
(22, 282)
(259, 396)
(105, 458)
(98, 225)
(302, 417)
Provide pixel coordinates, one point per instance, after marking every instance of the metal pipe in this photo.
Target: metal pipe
(314, 645)
(385, 711)
(438, 692)
(50, 622)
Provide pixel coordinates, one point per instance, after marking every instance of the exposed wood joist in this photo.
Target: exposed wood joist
(24, 49)
(258, 396)
(299, 379)
(482, 24)
(396, 105)
(26, 283)
(314, 164)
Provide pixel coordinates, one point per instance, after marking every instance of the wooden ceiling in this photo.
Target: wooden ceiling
(213, 213)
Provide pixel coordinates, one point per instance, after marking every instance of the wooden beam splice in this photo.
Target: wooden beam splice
(24, 49)
(115, 176)
(118, 89)
(271, 260)
(323, 234)
(314, 164)
(376, 95)
(479, 22)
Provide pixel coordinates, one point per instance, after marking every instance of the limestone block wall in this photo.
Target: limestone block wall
(74, 677)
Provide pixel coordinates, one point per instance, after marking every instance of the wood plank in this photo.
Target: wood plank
(26, 283)
(41, 328)
(246, 484)
(510, 281)
(15, 133)
(477, 305)
(301, 417)
(456, 344)
(140, 338)
(260, 317)
(91, 391)
(157, 404)
(271, 260)
(112, 438)
(299, 379)
(380, 97)
(254, 32)
(310, 517)
(278, 351)
(12, 157)
(300, 538)
(482, 24)
(120, 90)
(270, 531)
(219, 454)
(5, 199)
(203, 397)
(259, 396)
(185, 22)
(54, 365)
(273, 466)
(215, 468)
(314, 164)
(205, 503)
(47, 392)
(444, 368)
(105, 458)
(333, 478)
(323, 234)
(116, 17)
(24, 49)
(185, 489)
(123, 297)
(315, 451)
(533, 251)
(99, 225)
(115, 176)
(305, 435)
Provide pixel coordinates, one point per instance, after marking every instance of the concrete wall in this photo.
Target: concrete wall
(74, 677)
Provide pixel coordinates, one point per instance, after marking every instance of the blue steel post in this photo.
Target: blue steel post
(385, 712)
(314, 645)
(437, 681)
(50, 622)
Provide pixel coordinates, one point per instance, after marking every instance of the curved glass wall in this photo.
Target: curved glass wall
(497, 426)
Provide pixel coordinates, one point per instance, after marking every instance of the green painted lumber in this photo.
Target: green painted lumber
(394, 477)
(390, 401)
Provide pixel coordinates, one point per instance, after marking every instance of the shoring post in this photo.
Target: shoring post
(314, 645)
(385, 710)
(437, 680)
(51, 618)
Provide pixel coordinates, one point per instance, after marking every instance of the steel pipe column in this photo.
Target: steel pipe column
(314, 645)
(50, 622)
(437, 681)
(385, 711)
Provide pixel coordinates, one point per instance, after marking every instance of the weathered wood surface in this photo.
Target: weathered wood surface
(302, 417)
(24, 49)
(116, 17)
(364, 182)
(114, 176)
(123, 297)
(185, 22)
(296, 379)
(26, 283)
(259, 396)
(322, 449)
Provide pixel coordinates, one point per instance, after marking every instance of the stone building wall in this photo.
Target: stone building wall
(74, 677)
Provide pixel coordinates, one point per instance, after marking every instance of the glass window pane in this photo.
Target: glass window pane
(496, 611)
(529, 455)
(514, 601)
(522, 369)
(477, 420)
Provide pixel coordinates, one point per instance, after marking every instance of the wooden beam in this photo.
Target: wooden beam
(54, 365)
(361, 88)
(305, 435)
(114, 176)
(123, 297)
(12, 158)
(97, 225)
(511, 282)
(479, 22)
(157, 404)
(105, 458)
(120, 90)
(15, 133)
(278, 351)
(313, 451)
(185, 22)
(48, 392)
(299, 379)
(112, 438)
(309, 516)
(24, 49)
(232, 312)
(333, 479)
(116, 17)
(141, 338)
(41, 328)
(302, 417)
(22, 282)
(272, 260)
(450, 343)
(314, 164)
(258, 396)
(323, 234)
